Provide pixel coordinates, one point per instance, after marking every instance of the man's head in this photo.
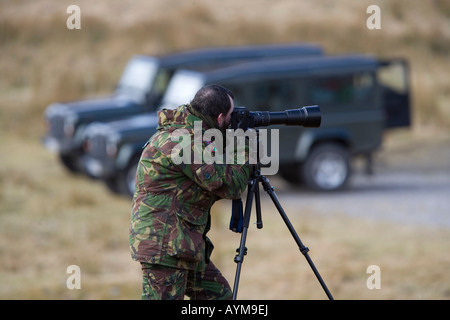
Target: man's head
(216, 102)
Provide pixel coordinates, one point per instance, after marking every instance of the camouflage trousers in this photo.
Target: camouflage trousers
(166, 283)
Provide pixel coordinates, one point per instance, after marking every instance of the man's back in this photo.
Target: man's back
(172, 202)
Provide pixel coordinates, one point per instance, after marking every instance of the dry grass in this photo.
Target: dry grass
(413, 262)
(50, 219)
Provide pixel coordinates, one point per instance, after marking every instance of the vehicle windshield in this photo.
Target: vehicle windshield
(138, 78)
(181, 89)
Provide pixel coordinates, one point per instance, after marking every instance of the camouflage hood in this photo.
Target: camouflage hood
(183, 117)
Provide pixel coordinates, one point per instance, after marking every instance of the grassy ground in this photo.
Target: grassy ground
(413, 262)
(50, 219)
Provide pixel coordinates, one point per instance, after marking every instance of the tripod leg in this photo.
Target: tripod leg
(242, 250)
(304, 250)
(259, 223)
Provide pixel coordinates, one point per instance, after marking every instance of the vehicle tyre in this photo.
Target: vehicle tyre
(70, 162)
(112, 184)
(124, 181)
(327, 167)
(129, 177)
(289, 172)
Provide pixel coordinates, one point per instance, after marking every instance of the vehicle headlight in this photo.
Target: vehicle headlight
(111, 144)
(69, 125)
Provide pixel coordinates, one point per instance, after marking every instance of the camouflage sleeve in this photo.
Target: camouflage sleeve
(225, 180)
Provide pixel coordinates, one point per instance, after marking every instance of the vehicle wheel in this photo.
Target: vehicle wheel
(112, 184)
(327, 167)
(71, 163)
(124, 181)
(129, 177)
(289, 172)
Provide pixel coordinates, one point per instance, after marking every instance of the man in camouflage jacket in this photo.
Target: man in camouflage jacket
(171, 205)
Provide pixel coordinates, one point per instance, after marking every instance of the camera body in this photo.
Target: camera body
(308, 116)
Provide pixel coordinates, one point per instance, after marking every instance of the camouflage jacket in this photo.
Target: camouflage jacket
(171, 204)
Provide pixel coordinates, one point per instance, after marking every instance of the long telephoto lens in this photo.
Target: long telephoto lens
(308, 116)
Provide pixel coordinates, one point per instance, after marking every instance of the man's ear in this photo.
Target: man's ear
(220, 119)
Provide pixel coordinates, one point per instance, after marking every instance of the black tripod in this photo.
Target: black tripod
(253, 191)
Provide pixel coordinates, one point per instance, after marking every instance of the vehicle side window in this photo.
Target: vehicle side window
(154, 97)
(268, 95)
(336, 90)
(239, 92)
(393, 76)
(161, 81)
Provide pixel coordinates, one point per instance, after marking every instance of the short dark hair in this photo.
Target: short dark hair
(212, 100)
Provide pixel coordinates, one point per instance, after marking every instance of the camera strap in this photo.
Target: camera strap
(237, 216)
